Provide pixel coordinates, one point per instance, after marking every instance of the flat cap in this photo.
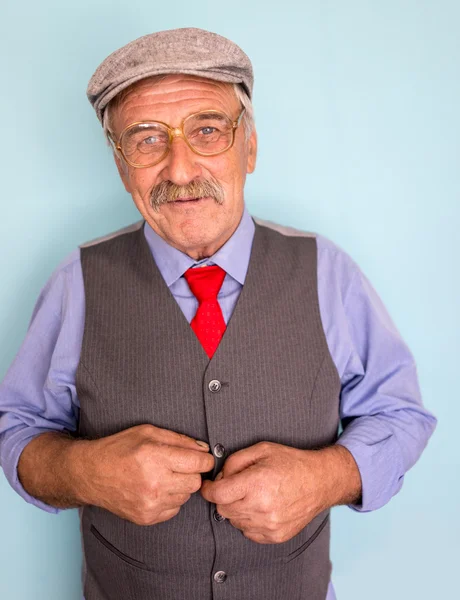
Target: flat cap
(188, 50)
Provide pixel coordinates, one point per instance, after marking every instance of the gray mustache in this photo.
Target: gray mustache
(166, 191)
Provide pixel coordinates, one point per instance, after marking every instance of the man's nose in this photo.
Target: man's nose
(182, 164)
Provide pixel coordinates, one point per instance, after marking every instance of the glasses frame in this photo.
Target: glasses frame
(175, 132)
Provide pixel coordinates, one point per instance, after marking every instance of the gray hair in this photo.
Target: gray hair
(248, 117)
(240, 93)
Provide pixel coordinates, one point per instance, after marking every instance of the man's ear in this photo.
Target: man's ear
(252, 152)
(123, 171)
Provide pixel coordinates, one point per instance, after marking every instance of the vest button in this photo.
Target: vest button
(214, 385)
(219, 450)
(220, 576)
(218, 517)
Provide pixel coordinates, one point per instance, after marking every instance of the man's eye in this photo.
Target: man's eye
(150, 140)
(207, 130)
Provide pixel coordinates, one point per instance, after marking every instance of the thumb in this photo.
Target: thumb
(242, 459)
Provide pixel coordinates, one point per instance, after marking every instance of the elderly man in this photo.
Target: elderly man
(203, 385)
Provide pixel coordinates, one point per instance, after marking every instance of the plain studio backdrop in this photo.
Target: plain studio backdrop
(357, 111)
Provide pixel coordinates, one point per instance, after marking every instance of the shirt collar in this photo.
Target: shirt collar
(233, 256)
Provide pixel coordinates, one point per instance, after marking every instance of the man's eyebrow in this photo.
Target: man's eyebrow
(210, 115)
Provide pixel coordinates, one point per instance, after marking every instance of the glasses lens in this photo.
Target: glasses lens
(209, 132)
(145, 143)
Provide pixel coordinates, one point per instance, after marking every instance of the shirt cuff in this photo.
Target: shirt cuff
(12, 445)
(378, 457)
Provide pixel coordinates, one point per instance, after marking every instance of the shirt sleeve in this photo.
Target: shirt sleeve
(38, 392)
(385, 425)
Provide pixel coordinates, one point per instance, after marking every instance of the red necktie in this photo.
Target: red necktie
(208, 322)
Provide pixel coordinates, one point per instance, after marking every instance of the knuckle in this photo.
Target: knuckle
(208, 462)
(272, 522)
(202, 462)
(214, 495)
(151, 503)
(194, 461)
(265, 446)
(223, 513)
(185, 461)
(178, 439)
(152, 491)
(144, 453)
(169, 514)
(195, 483)
(141, 453)
(265, 503)
(254, 537)
(169, 458)
(186, 439)
(182, 459)
(277, 537)
(146, 429)
(229, 461)
(144, 519)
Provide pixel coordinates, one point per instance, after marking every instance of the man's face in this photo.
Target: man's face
(198, 228)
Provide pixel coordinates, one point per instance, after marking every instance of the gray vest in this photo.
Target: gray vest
(142, 363)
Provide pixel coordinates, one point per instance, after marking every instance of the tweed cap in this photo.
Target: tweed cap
(189, 50)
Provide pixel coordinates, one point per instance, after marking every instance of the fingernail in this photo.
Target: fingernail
(219, 476)
(202, 444)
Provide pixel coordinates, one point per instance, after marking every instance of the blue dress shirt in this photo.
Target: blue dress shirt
(386, 426)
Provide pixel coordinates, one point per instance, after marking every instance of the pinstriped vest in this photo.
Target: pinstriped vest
(142, 363)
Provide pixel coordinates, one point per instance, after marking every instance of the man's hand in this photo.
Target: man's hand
(143, 474)
(271, 492)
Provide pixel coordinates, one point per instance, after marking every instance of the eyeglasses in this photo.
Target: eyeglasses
(146, 143)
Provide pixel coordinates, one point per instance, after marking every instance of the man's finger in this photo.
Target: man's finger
(182, 483)
(228, 489)
(174, 500)
(172, 438)
(236, 510)
(243, 459)
(183, 460)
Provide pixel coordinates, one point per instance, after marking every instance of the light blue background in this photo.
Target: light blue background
(357, 108)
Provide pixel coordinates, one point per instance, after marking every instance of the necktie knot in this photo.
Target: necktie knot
(205, 282)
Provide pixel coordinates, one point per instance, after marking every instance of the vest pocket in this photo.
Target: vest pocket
(121, 555)
(298, 551)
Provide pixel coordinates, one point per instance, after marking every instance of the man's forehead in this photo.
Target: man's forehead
(179, 84)
(174, 94)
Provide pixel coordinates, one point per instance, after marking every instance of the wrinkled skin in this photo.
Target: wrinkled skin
(200, 229)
